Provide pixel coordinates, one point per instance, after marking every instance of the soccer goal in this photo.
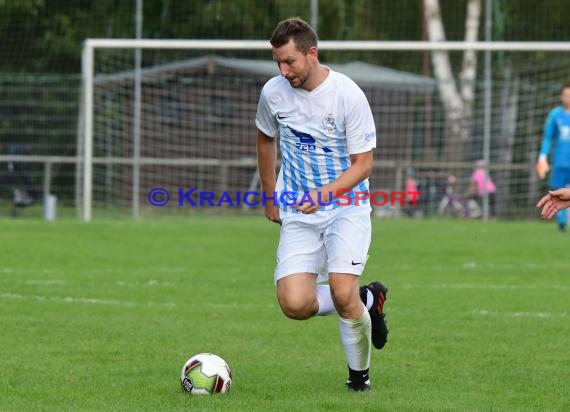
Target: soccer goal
(178, 116)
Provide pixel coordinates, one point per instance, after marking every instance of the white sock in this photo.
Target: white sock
(369, 299)
(324, 299)
(355, 335)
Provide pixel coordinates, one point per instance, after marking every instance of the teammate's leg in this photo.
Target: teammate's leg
(557, 181)
(562, 219)
(372, 296)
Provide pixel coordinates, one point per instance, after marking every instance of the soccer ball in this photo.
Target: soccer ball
(206, 374)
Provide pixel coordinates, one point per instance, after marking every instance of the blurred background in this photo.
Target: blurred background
(199, 105)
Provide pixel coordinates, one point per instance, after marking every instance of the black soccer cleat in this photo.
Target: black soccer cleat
(377, 317)
(358, 386)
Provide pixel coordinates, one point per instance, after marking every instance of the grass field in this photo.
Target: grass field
(101, 316)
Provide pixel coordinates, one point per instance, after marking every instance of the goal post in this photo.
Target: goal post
(187, 82)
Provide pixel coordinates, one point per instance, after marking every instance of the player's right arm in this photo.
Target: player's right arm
(266, 163)
(542, 166)
(267, 131)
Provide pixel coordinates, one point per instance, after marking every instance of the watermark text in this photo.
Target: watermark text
(342, 197)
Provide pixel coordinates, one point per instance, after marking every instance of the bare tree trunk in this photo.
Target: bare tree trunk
(458, 104)
(469, 66)
(450, 97)
(509, 112)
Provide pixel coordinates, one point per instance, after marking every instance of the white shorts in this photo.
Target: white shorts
(328, 241)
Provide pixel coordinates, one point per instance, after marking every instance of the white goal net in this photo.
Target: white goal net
(179, 117)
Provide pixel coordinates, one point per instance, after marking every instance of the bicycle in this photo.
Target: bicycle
(454, 204)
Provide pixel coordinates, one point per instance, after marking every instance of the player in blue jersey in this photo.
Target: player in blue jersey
(557, 139)
(326, 135)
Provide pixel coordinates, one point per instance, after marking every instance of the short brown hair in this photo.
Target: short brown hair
(297, 29)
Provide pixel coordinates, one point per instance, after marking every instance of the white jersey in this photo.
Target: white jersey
(318, 131)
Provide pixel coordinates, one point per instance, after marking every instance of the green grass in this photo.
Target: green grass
(102, 316)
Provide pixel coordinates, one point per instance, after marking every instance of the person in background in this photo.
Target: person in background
(557, 137)
(479, 183)
(412, 197)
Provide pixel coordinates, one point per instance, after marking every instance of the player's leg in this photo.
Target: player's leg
(300, 256)
(347, 240)
(296, 294)
(355, 328)
(374, 295)
(557, 181)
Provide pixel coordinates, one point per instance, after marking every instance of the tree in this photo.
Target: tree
(457, 100)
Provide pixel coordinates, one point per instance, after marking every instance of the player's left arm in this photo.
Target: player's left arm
(361, 141)
(359, 170)
(542, 166)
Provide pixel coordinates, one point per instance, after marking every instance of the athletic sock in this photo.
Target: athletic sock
(367, 297)
(355, 335)
(357, 376)
(324, 299)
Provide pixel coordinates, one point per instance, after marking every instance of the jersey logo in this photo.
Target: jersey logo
(306, 142)
(329, 123)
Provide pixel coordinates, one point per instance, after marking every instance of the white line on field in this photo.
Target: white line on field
(484, 312)
(93, 301)
(496, 266)
(146, 283)
(45, 282)
(59, 282)
(94, 271)
(482, 286)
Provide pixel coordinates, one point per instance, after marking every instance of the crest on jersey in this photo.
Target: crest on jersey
(329, 123)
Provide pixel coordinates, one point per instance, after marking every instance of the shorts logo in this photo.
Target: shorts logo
(329, 123)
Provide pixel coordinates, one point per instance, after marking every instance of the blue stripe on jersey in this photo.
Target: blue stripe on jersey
(344, 163)
(287, 159)
(285, 179)
(343, 156)
(302, 173)
(362, 187)
(331, 173)
(314, 159)
(285, 167)
(302, 155)
(293, 172)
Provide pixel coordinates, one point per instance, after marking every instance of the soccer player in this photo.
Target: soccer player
(553, 202)
(557, 132)
(326, 137)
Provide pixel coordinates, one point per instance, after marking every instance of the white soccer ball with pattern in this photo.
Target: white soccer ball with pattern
(206, 374)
